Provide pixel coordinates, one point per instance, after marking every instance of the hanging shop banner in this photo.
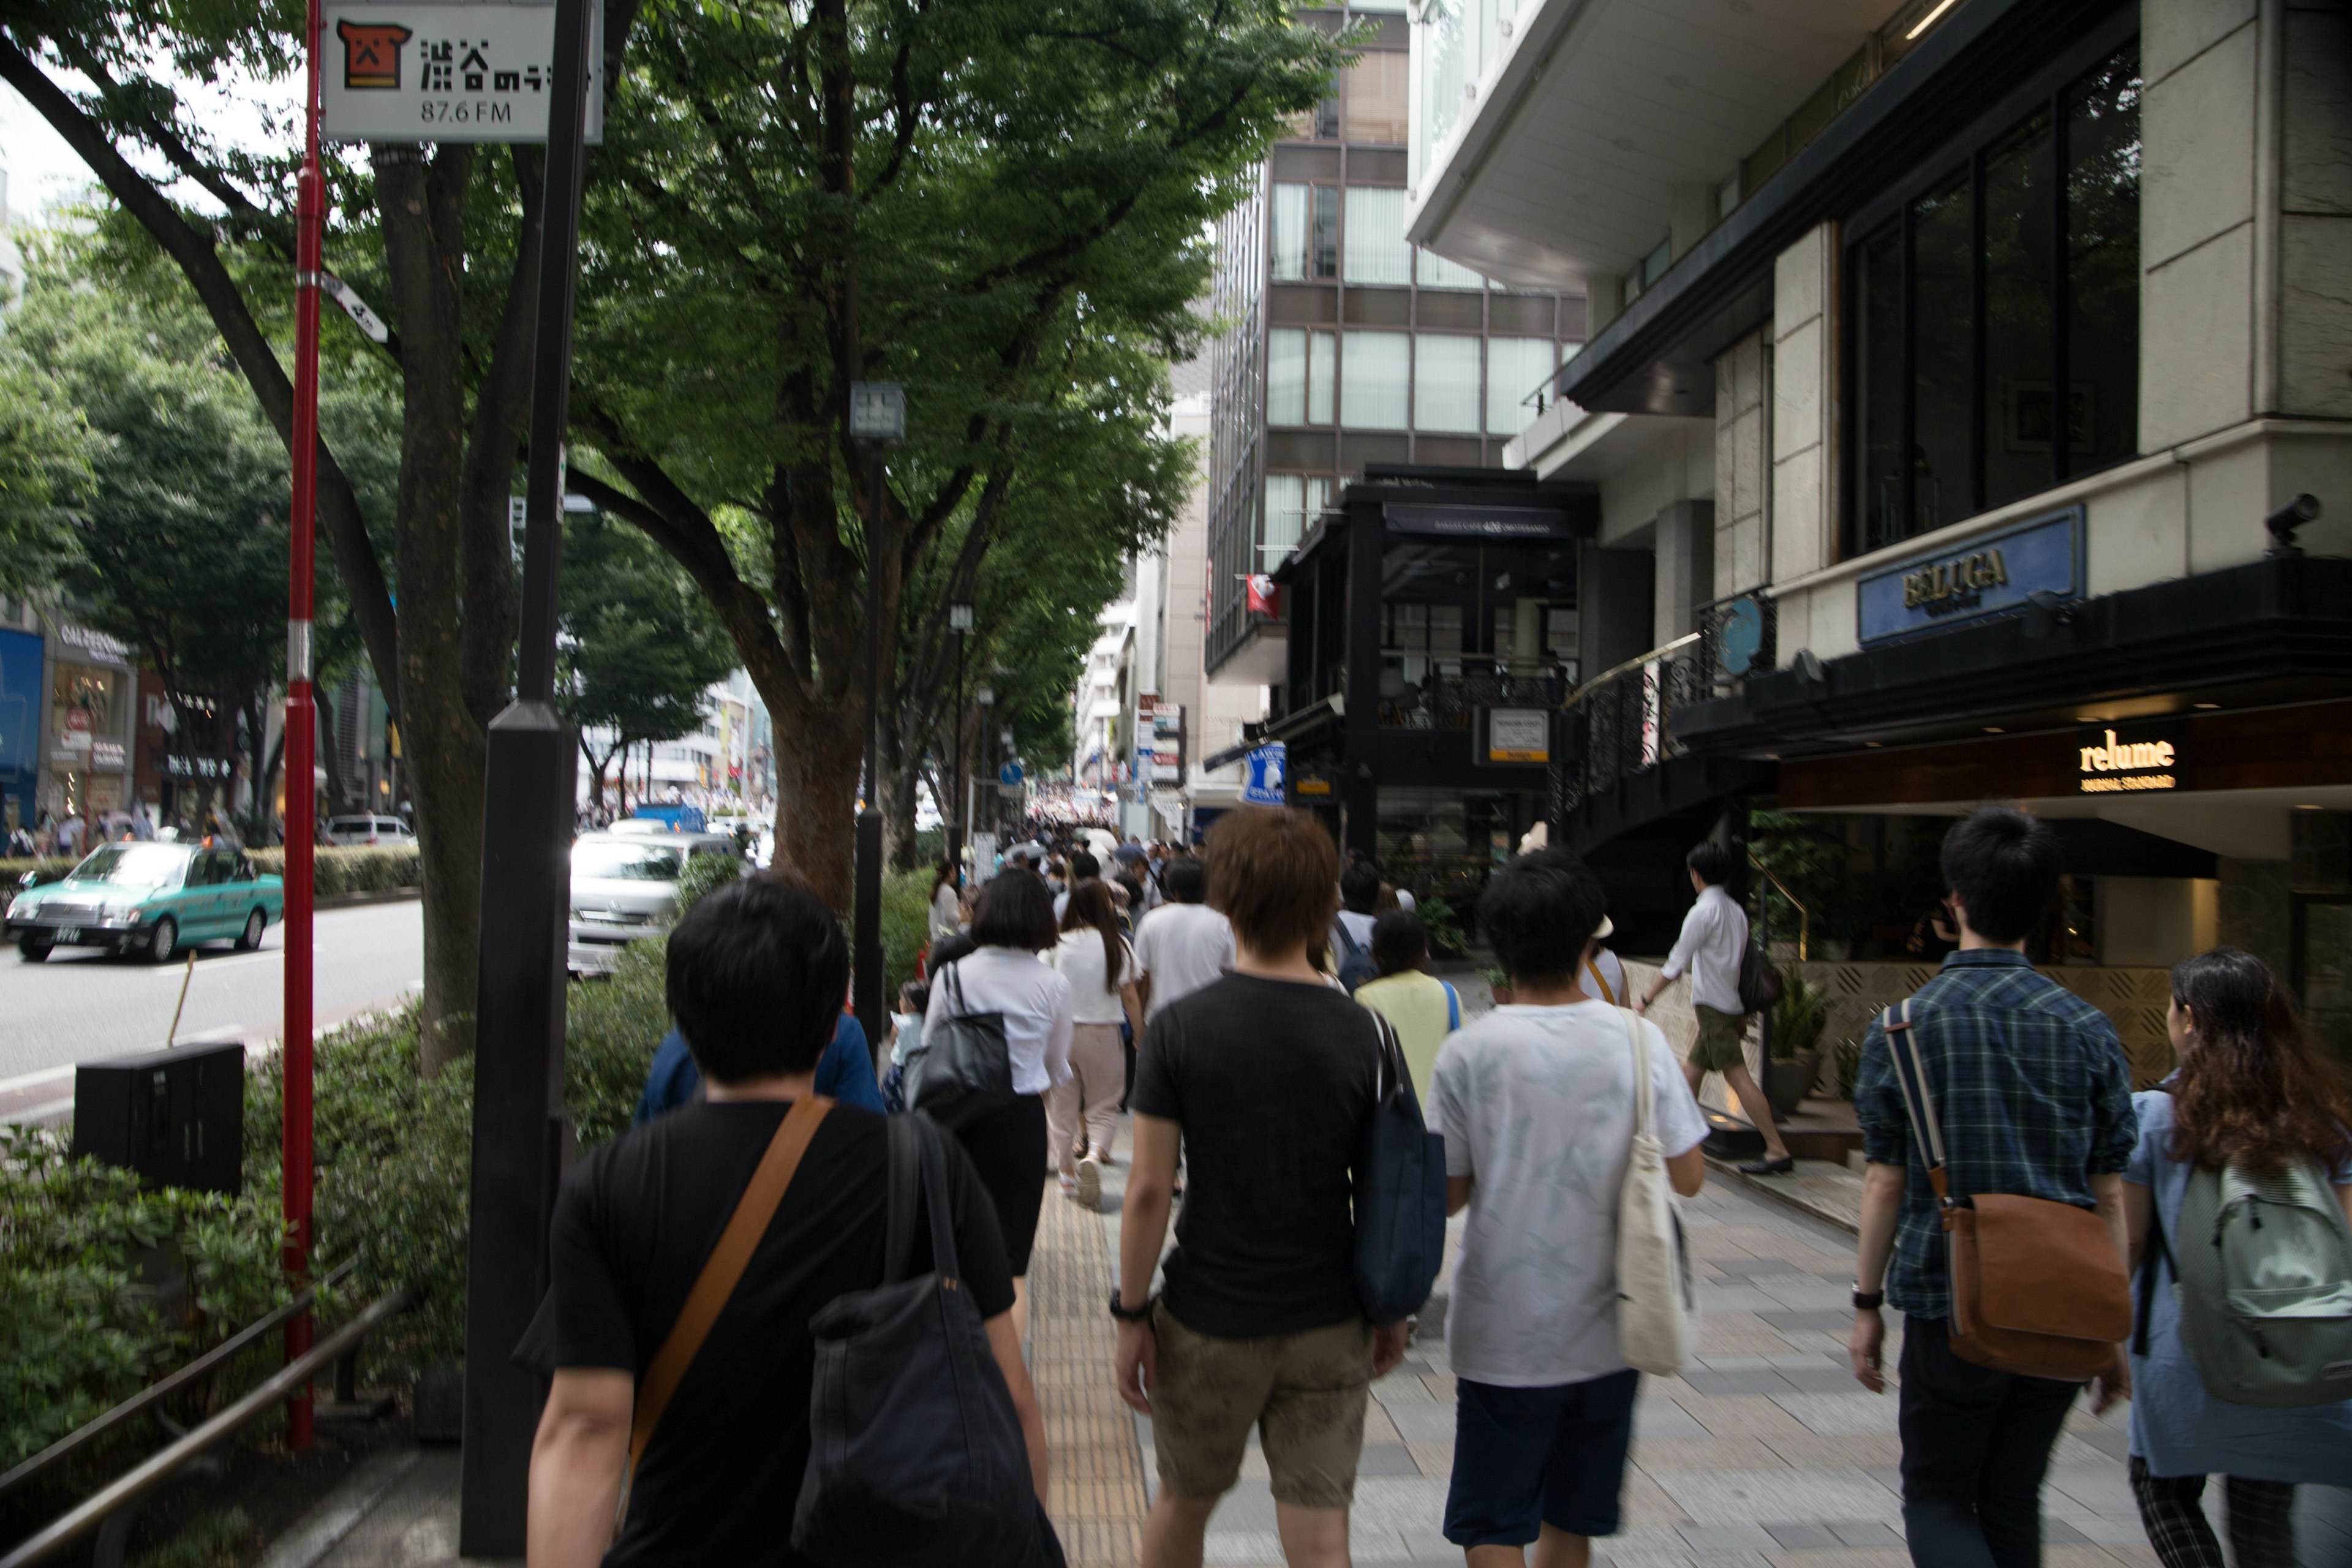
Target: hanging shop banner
(1265, 775)
(1984, 576)
(411, 72)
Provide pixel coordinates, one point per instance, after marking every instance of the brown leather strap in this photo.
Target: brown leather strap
(722, 1271)
(1599, 983)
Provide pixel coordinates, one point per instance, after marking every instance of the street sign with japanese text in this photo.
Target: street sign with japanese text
(424, 72)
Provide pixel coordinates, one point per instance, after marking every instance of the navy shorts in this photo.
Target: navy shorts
(1525, 1456)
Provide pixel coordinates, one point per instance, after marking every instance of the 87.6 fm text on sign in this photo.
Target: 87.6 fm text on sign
(410, 72)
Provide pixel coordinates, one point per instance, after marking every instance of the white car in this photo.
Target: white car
(384, 832)
(624, 886)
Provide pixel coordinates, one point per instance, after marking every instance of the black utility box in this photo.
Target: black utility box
(176, 1117)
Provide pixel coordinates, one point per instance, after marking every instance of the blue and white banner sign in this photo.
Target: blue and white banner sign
(1983, 576)
(1267, 769)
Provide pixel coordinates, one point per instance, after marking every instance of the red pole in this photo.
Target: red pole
(301, 724)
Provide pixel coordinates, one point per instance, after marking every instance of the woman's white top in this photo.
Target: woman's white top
(947, 912)
(1033, 997)
(1081, 961)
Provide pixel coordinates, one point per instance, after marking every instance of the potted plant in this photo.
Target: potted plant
(1498, 982)
(1798, 1022)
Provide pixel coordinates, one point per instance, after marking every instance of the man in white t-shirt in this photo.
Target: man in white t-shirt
(1535, 1103)
(1184, 944)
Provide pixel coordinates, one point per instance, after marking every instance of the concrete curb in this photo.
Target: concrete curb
(353, 900)
(1786, 1195)
(322, 1529)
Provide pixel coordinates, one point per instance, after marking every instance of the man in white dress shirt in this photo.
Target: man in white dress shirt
(1713, 943)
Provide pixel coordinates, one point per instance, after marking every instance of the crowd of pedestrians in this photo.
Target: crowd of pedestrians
(1265, 1011)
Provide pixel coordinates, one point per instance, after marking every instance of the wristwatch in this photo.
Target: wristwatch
(1869, 1300)
(1131, 1314)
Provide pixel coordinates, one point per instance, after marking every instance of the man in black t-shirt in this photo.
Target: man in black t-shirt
(756, 973)
(1267, 1079)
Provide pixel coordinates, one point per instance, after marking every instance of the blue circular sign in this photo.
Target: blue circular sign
(1742, 640)
(1010, 773)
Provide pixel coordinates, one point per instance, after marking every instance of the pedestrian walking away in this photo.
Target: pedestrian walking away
(1270, 1078)
(1012, 923)
(755, 973)
(1422, 1008)
(1711, 949)
(2250, 1096)
(2033, 1097)
(1537, 1102)
(1182, 945)
(1082, 1111)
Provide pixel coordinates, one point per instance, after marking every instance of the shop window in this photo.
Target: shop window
(1375, 373)
(1446, 383)
(1958, 296)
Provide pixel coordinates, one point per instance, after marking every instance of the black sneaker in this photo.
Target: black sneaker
(1779, 1167)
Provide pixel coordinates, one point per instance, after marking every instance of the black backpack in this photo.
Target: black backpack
(916, 1455)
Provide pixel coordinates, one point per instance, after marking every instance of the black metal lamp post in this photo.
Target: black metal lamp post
(520, 1135)
(877, 419)
(960, 623)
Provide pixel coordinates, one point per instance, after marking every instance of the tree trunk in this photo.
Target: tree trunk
(816, 791)
(422, 207)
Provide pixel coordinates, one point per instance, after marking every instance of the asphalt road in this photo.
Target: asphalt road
(82, 1005)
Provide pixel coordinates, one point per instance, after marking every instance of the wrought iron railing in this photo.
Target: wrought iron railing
(1625, 716)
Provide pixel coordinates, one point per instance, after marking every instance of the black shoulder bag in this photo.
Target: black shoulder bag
(916, 1455)
(963, 1069)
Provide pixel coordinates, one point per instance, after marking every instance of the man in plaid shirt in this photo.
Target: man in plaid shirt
(2030, 1085)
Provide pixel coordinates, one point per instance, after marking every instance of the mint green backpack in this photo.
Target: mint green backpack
(2263, 1279)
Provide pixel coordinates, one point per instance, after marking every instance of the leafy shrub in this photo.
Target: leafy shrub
(1846, 1056)
(48, 869)
(1800, 1016)
(103, 1287)
(360, 869)
(906, 927)
(1444, 928)
(704, 875)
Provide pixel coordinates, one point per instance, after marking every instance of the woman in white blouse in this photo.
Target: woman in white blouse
(1082, 1113)
(1013, 921)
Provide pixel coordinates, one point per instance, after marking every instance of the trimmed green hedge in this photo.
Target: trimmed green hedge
(81, 1248)
(361, 869)
(334, 871)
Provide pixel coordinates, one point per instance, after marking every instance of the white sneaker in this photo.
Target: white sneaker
(1090, 1192)
(1069, 1186)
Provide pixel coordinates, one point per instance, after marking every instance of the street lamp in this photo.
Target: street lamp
(877, 419)
(960, 623)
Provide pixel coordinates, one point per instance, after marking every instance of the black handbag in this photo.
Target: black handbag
(963, 1069)
(916, 1454)
(1400, 1195)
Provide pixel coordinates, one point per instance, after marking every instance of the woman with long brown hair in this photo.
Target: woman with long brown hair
(2251, 1093)
(1082, 1112)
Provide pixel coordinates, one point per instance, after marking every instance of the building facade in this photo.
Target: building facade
(1346, 345)
(1957, 368)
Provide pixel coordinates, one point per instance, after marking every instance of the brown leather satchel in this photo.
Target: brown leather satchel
(2037, 1287)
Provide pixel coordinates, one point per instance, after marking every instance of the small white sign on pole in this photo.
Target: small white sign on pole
(425, 72)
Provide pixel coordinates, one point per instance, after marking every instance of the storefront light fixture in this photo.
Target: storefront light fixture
(2205, 705)
(1995, 729)
(1927, 21)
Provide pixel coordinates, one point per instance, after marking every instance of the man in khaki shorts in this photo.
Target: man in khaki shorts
(1713, 942)
(1266, 1078)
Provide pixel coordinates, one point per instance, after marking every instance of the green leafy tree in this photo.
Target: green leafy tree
(43, 459)
(1004, 206)
(640, 646)
(445, 241)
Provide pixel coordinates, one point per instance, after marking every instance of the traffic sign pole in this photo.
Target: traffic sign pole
(300, 751)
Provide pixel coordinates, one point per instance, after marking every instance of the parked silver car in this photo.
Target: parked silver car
(624, 886)
(386, 832)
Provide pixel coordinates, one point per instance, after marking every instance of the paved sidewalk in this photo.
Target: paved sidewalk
(1765, 1452)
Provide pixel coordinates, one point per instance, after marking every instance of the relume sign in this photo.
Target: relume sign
(422, 72)
(2133, 763)
(1985, 575)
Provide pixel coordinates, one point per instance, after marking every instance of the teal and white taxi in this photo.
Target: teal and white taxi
(149, 898)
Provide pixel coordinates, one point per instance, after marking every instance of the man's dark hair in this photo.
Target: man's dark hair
(1538, 913)
(1359, 888)
(1084, 866)
(1400, 941)
(2005, 867)
(1015, 910)
(1186, 881)
(757, 972)
(1711, 860)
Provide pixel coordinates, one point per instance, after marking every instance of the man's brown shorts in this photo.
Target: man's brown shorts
(1304, 1394)
(1718, 1039)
